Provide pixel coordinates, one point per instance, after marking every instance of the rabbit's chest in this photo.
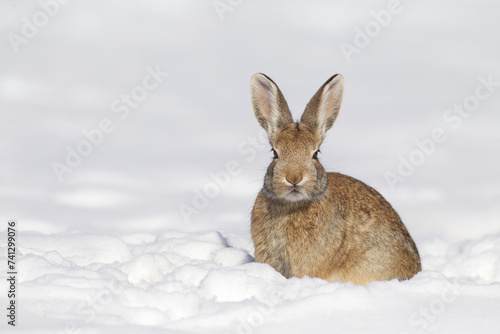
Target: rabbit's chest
(298, 243)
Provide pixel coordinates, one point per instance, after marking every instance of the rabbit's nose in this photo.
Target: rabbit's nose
(294, 179)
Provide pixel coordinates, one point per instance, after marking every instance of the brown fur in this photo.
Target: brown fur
(306, 222)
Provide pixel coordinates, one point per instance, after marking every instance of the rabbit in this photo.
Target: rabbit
(307, 222)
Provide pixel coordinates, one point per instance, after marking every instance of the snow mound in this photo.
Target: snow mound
(474, 260)
(199, 282)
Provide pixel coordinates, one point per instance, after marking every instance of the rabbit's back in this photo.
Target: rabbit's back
(352, 234)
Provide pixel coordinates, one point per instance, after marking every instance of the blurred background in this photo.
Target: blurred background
(135, 116)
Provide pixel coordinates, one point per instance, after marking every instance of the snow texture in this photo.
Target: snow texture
(146, 104)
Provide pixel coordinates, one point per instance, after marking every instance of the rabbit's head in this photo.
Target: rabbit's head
(295, 173)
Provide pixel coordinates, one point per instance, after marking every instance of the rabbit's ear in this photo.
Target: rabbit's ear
(324, 106)
(269, 105)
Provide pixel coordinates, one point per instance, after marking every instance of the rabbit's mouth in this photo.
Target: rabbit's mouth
(295, 195)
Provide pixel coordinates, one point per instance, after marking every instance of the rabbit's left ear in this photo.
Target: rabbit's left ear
(323, 109)
(269, 105)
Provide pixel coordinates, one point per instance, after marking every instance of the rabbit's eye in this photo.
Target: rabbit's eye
(315, 155)
(275, 153)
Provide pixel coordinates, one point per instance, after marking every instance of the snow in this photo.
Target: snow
(200, 282)
(107, 247)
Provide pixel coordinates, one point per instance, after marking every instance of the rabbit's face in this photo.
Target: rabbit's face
(295, 173)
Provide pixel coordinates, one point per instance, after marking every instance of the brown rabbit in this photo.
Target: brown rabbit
(307, 222)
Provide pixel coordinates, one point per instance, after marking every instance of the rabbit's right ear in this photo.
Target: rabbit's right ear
(269, 105)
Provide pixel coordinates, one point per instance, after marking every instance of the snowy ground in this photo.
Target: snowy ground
(104, 247)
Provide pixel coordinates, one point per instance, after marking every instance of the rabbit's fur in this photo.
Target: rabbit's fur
(307, 222)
